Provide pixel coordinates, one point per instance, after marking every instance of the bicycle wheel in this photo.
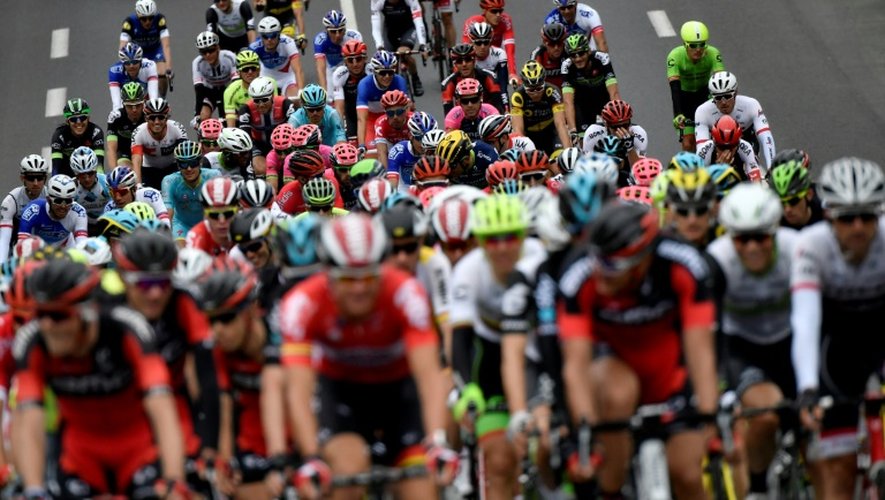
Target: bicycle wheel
(439, 46)
(718, 480)
(409, 84)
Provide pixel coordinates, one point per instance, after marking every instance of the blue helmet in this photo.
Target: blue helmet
(399, 198)
(686, 161)
(384, 59)
(420, 123)
(334, 20)
(298, 239)
(122, 177)
(564, 3)
(313, 96)
(155, 226)
(116, 223)
(581, 199)
(131, 52)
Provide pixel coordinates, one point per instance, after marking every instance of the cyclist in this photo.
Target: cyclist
(255, 193)
(468, 161)
(148, 29)
(579, 18)
(236, 154)
(617, 116)
(430, 141)
(470, 109)
(102, 452)
(233, 22)
(495, 130)
(279, 56)
(451, 226)
(213, 70)
(430, 172)
(533, 168)
(260, 115)
(464, 61)
(33, 172)
(502, 33)
(57, 219)
(405, 153)
(327, 46)
(369, 92)
(290, 14)
(309, 136)
(391, 128)
(537, 110)
(345, 81)
(321, 197)
(132, 68)
(551, 53)
(125, 189)
(650, 287)
(315, 110)
(122, 123)
(181, 190)
(210, 131)
(281, 142)
(837, 293)
(690, 200)
(689, 67)
(219, 198)
(237, 93)
(343, 157)
(153, 143)
(588, 82)
(792, 183)
(729, 148)
(396, 34)
(250, 232)
(303, 165)
(751, 267)
(446, 10)
(488, 57)
(92, 187)
(746, 111)
(78, 130)
(356, 292)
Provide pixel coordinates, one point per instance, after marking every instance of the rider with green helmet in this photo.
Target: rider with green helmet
(78, 130)
(314, 109)
(122, 123)
(588, 82)
(792, 183)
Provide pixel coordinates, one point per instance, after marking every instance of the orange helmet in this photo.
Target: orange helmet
(726, 131)
(531, 161)
(501, 171)
(393, 98)
(491, 4)
(430, 166)
(354, 48)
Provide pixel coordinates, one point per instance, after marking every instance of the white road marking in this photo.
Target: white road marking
(348, 10)
(58, 47)
(661, 23)
(55, 101)
(46, 153)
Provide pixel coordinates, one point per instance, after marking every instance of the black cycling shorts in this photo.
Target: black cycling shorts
(747, 364)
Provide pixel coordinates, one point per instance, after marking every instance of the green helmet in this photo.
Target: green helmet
(246, 58)
(319, 192)
(498, 214)
(790, 179)
(132, 93)
(364, 170)
(141, 210)
(658, 188)
(188, 151)
(694, 31)
(313, 96)
(577, 42)
(76, 107)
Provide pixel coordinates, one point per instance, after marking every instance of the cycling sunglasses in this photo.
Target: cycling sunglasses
(225, 318)
(482, 41)
(723, 97)
(319, 109)
(132, 62)
(252, 246)
(209, 142)
(697, 211)
(696, 45)
(208, 51)
(319, 209)
(187, 165)
(56, 315)
(336, 31)
(395, 112)
(355, 59)
(501, 239)
(454, 246)
(462, 60)
(615, 265)
(497, 12)
(408, 248)
(156, 118)
(355, 275)
(78, 119)
(62, 201)
(216, 214)
(866, 217)
(261, 100)
(148, 281)
(793, 200)
(35, 178)
(270, 36)
(248, 69)
(745, 238)
(470, 100)
(384, 73)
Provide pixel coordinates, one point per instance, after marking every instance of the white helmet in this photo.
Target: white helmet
(568, 159)
(61, 186)
(533, 198)
(464, 192)
(356, 240)
(83, 160)
(603, 165)
(431, 139)
(751, 208)
(234, 140)
(261, 87)
(523, 144)
(34, 164)
(97, 250)
(722, 82)
(191, 264)
(145, 8)
(851, 183)
(269, 25)
(550, 226)
(207, 39)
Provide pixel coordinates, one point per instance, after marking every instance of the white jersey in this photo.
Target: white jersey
(94, 199)
(231, 24)
(339, 77)
(596, 133)
(214, 160)
(434, 272)
(744, 153)
(217, 76)
(10, 212)
(496, 58)
(587, 21)
(747, 113)
(756, 307)
(157, 153)
(150, 196)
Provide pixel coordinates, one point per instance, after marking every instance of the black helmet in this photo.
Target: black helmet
(786, 155)
(623, 230)
(256, 193)
(61, 283)
(463, 49)
(404, 221)
(146, 251)
(554, 32)
(250, 224)
(226, 286)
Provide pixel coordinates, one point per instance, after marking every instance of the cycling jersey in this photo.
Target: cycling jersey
(747, 113)
(537, 115)
(693, 77)
(589, 87)
(347, 193)
(587, 21)
(261, 125)
(148, 39)
(185, 201)
(744, 159)
(331, 127)
(147, 78)
(11, 210)
(496, 63)
(278, 167)
(200, 237)
(36, 220)
(235, 95)
(434, 271)
(552, 67)
(344, 88)
(455, 120)
(502, 36)
(282, 10)
(217, 76)
(7, 360)
(475, 175)
(290, 199)
(94, 199)
(213, 160)
(369, 94)
(595, 134)
(232, 24)
(385, 133)
(148, 195)
(120, 129)
(157, 153)
(400, 18)
(401, 160)
(280, 59)
(64, 143)
(492, 93)
(323, 48)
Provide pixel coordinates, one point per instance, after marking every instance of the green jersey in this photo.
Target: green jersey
(693, 77)
(235, 95)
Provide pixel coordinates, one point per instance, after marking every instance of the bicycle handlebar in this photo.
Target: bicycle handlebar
(379, 475)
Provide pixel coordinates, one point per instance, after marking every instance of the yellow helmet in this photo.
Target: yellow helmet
(695, 188)
(532, 74)
(454, 146)
(141, 210)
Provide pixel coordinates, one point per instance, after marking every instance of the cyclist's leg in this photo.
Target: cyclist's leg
(498, 453)
(446, 9)
(616, 389)
(685, 452)
(253, 469)
(403, 436)
(159, 58)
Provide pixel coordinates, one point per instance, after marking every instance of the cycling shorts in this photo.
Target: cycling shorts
(284, 79)
(155, 54)
(407, 38)
(179, 229)
(252, 466)
(748, 364)
(113, 464)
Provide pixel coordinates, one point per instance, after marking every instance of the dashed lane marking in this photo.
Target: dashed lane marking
(58, 47)
(55, 101)
(661, 23)
(348, 10)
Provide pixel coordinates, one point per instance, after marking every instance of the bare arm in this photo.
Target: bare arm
(577, 354)
(362, 117)
(601, 43)
(561, 129)
(517, 124)
(160, 408)
(700, 359)
(321, 74)
(137, 158)
(29, 443)
(167, 52)
(513, 371)
(110, 154)
(300, 384)
(568, 98)
(273, 415)
(424, 363)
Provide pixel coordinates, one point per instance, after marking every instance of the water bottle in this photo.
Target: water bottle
(654, 479)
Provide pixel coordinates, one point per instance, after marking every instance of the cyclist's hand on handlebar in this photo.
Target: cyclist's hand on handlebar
(810, 413)
(521, 423)
(443, 464)
(679, 121)
(227, 476)
(513, 81)
(602, 57)
(313, 479)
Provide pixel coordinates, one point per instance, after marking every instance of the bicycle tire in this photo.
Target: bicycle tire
(439, 42)
(721, 484)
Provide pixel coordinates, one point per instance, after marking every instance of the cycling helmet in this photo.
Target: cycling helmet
(83, 160)
(262, 87)
(786, 155)
(96, 249)
(581, 199)
(132, 93)
(420, 123)
(468, 87)
(510, 154)
(530, 162)
(431, 140)
(501, 171)
(637, 194)
(384, 59)
(353, 48)
(430, 166)
(76, 107)
(115, 223)
(307, 136)
(155, 226)
(491, 4)
(404, 221)
(250, 224)
(364, 170)
(494, 126)
(554, 32)
(551, 227)
(645, 170)
(255, 193)
(463, 50)
(247, 58)
(399, 198)
(533, 198)
(145, 251)
(725, 177)
(568, 160)
(454, 146)
(694, 31)
(394, 98)
(722, 82)
(296, 240)
(451, 220)
(751, 208)
(206, 40)
(218, 192)
(305, 163)
(480, 31)
(691, 189)
(790, 179)
(281, 137)
(269, 25)
(464, 192)
(122, 177)
(658, 189)
(130, 52)
(617, 111)
(726, 131)
(373, 193)
(334, 19)
(33, 164)
(145, 8)
(191, 265)
(234, 140)
(158, 106)
(313, 96)
(427, 195)
(141, 210)
(188, 151)
(622, 231)
(319, 192)
(210, 129)
(498, 214)
(613, 146)
(577, 42)
(510, 187)
(523, 143)
(851, 183)
(228, 285)
(532, 74)
(604, 166)
(353, 241)
(344, 154)
(686, 162)
(61, 283)
(62, 187)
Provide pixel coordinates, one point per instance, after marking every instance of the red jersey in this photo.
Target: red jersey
(7, 362)
(502, 36)
(384, 132)
(371, 351)
(643, 327)
(291, 200)
(200, 237)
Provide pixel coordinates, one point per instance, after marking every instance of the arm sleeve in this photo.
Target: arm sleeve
(195, 70)
(418, 21)
(337, 124)
(208, 418)
(377, 33)
(246, 14)
(766, 146)
(462, 340)
(212, 19)
(676, 97)
(805, 319)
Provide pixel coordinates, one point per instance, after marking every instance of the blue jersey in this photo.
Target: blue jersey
(332, 51)
(148, 39)
(278, 60)
(483, 156)
(368, 94)
(37, 221)
(331, 128)
(400, 161)
(93, 200)
(185, 201)
(117, 75)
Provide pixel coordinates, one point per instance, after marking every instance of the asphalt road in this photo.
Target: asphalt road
(818, 67)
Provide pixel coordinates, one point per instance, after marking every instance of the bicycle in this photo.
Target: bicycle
(439, 47)
(378, 478)
(403, 69)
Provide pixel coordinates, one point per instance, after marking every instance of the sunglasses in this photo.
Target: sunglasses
(78, 119)
(319, 208)
(533, 177)
(697, 211)
(120, 191)
(394, 112)
(462, 60)
(500, 239)
(208, 142)
(35, 178)
(408, 248)
(723, 97)
(534, 88)
(261, 100)
(553, 44)
(62, 201)
(248, 69)
(384, 73)
(336, 31)
(56, 315)
(482, 41)
(354, 59)
(314, 110)
(132, 62)
(745, 238)
(224, 318)
(147, 18)
(454, 246)
(430, 184)
(580, 53)
(470, 100)
(147, 281)
(696, 45)
(133, 105)
(270, 36)
(496, 12)
(156, 118)
(850, 218)
(352, 276)
(187, 165)
(87, 174)
(252, 246)
(216, 214)
(793, 201)
(615, 265)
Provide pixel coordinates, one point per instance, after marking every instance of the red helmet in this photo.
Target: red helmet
(344, 154)
(635, 193)
(305, 163)
(451, 220)
(373, 193)
(26, 247)
(281, 137)
(393, 98)
(426, 195)
(501, 171)
(17, 298)
(430, 166)
(645, 170)
(210, 129)
(468, 86)
(354, 48)
(531, 161)
(491, 4)
(219, 192)
(617, 111)
(726, 131)
(307, 136)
